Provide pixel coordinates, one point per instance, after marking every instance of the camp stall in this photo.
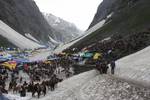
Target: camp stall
(10, 65)
(47, 62)
(97, 56)
(5, 55)
(2, 60)
(87, 55)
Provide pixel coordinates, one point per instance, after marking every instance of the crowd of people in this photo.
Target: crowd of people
(113, 48)
(43, 76)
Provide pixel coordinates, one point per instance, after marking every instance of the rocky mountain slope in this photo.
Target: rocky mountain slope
(25, 17)
(65, 31)
(122, 18)
(114, 6)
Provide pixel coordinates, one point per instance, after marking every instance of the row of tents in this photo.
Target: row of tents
(85, 54)
(11, 61)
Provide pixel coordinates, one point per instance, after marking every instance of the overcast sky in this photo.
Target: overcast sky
(79, 12)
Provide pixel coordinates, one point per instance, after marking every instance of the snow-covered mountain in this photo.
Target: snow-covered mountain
(122, 18)
(64, 31)
(118, 8)
(128, 17)
(24, 17)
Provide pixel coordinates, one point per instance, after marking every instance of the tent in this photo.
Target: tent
(2, 60)
(10, 64)
(47, 62)
(5, 56)
(97, 56)
(81, 54)
(20, 66)
(85, 49)
(20, 60)
(53, 58)
(88, 55)
(2, 97)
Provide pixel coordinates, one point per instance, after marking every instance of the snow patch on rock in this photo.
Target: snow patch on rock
(31, 37)
(52, 40)
(109, 15)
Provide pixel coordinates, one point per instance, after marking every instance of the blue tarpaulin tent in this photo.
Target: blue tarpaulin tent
(3, 60)
(2, 97)
(53, 58)
(21, 60)
(88, 55)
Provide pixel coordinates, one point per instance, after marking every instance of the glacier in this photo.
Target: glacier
(16, 38)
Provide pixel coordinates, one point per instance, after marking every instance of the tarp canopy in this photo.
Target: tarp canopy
(19, 60)
(76, 55)
(5, 56)
(97, 56)
(81, 54)
(2, 97)
(53, 58)
(85, 49)
(2, 60)
(61, 54)
(10, 64)
(88, 55)
(47, 62)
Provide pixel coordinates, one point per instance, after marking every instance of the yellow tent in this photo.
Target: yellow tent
(62, 53)
(10, 64)
(97, 56)
(47, 62)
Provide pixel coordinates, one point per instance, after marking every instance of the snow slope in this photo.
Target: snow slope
(68, 89)
(16, 38)
(54, 41)
(31, 37)
(92, 86)
(105, 87)
(88, 32)
(135, 67)
(40, 56)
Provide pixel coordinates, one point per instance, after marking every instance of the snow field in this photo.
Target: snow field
(105, 87)
(31, 37)
(16, 38)
(135, 67)
(68, 89)
(40, 56)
